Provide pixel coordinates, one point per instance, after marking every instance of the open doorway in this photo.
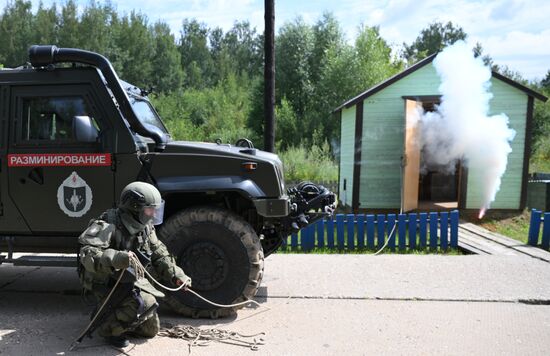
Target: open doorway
(438, 186)
(426, 187)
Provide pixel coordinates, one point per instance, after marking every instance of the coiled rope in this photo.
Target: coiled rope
(203, 337)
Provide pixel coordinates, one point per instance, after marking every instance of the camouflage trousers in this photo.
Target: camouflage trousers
(126, 313)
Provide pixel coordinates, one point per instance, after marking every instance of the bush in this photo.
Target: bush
(540, 159)
(207, 114)
(314, 164)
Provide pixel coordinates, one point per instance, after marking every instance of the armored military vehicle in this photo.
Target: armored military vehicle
(73, 135)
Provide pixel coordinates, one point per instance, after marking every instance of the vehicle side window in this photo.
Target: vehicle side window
(57, 118)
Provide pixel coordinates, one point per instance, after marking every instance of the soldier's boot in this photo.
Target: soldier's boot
(118, 341)
(113, 332)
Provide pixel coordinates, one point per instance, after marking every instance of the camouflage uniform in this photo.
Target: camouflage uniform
(104, 253)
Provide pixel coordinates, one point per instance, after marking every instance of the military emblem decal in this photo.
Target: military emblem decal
(74, 196)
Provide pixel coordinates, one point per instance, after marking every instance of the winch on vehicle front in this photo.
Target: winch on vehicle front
(309, 202)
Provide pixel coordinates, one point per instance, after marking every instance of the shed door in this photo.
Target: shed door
(411, 169)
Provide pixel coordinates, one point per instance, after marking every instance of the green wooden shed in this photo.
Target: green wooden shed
(379, 171)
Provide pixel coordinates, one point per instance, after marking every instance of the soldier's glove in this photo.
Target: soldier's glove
(115, 259)
(186, 282)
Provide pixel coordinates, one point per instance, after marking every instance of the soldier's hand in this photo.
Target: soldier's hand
(186, 284)
(117, 259)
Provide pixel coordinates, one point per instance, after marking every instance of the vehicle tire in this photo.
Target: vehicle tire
(221, 253)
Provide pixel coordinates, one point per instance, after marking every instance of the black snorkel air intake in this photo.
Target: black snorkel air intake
(42, 56)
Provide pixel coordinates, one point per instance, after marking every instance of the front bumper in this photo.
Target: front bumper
(273, 208)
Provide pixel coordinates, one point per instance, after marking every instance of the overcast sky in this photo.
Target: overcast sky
(514, 32)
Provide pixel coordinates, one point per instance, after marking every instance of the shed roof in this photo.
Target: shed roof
(375, 89)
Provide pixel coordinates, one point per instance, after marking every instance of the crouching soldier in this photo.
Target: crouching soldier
(105, 250)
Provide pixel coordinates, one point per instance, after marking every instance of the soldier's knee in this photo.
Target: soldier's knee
(150, 327)
(148, 300)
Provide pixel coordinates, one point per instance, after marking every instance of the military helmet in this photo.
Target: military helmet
(143, 201)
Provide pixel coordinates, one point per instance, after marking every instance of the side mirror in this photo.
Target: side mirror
(84, 129)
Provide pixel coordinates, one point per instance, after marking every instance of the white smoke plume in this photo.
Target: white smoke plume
(460, 128)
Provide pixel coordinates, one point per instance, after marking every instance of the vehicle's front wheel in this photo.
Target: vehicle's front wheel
(220, 252)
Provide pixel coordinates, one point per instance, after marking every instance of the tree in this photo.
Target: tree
(94, 30)
(432, 40)
(195, 54)
(244, 48)
(68, 24)
(545, 83)
(15, 32)
(136, 58)
(293, 76)
(327, 36)
(349, 71)
(167, 71)
(44, 25)
(486, 58)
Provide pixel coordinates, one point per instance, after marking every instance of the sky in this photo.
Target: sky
(515, 33)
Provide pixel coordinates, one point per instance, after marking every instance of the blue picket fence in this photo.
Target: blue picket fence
(539, 218)
(352, 232)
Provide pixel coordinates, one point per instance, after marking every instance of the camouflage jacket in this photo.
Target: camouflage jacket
(103, 251)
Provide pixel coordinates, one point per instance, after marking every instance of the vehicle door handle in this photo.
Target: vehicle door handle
(37, 175)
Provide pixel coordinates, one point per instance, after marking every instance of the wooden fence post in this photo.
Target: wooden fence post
(534, 228)
(370, 231)
(402, 229)
(454, 228)
(294, 241)
(321, 233)
(546, 232)
(340, 230)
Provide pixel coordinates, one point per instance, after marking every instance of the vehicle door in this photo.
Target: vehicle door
(59, 162)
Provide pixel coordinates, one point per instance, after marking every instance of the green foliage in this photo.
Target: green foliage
(314, 163)
(207, 114)
(287, 130)
(432, 40)
(516, 227)
(540, 159)
(545, 83)
(168, 73)
(16, 31)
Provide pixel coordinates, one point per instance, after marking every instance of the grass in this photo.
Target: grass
(515, 227)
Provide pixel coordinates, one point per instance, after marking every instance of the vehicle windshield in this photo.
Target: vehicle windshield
(146, 114)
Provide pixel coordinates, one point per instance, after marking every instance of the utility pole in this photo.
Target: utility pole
(269, 76)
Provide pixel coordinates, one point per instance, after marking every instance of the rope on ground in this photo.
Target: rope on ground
(203, 337)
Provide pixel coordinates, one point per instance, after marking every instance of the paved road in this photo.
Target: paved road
(322, 305)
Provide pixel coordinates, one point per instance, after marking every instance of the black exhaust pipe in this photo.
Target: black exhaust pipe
(42, 56)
